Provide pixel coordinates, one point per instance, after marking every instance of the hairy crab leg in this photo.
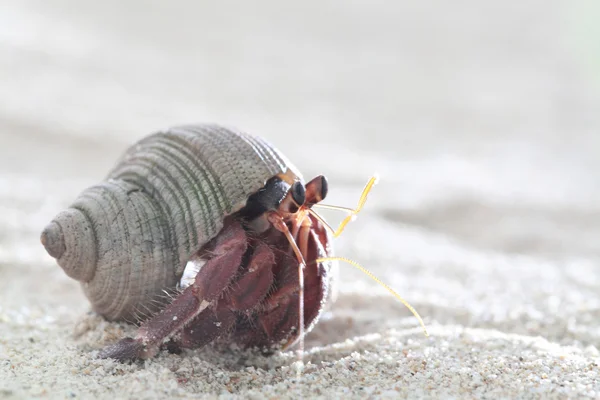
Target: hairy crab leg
(212, 279)
(273, 318)
(206, 327)
(254, 285)
(245, 293)
(278, 315)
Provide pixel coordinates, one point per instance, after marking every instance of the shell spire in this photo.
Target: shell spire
(70, 239)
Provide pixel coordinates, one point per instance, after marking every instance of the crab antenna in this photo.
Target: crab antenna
(332, 207)
(352, 212)
(376, 279)
(322, 220)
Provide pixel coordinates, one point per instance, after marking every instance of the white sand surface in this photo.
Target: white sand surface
(480, 117)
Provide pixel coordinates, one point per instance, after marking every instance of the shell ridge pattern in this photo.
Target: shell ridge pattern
(259, 150)
(110, 296)
(139, 281)
(167, 215)
(221, 152)
(182, 180)
(201, 158)
(86, 202)
(244, 162)
(282, 165)
(82, 206)
(122, 223)
(208, 176)
(164, 217)
(94, 243)
(234, 177)
(135, 279)
(145, 169)
(267, 152)
(169, 256)
(258, 162)
(175, 174)
(145, 279)
(213, 151)
(275, 155)
(203, 186)
(216, 185)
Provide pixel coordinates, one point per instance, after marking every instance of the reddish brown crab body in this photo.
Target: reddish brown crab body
(221, 200)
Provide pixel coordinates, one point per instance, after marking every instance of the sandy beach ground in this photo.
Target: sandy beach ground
(482, 119)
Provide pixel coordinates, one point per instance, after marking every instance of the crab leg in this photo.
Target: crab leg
(244, 294)
(212, 279)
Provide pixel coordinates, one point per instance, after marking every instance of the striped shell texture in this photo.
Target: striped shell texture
(130, 237)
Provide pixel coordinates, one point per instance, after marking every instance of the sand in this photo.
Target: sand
(481, 121)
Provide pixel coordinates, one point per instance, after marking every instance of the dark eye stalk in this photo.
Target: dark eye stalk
(298, 193)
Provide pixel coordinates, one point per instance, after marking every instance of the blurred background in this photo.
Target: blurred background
(482, 119)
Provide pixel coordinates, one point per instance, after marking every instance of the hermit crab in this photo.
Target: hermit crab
(217, 219)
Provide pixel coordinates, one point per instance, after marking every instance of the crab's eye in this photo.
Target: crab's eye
(298, 193)
(324, 187)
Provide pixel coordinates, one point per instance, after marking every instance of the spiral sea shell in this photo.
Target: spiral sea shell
(129, 237)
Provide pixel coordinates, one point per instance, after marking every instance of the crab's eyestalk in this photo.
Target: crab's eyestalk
(352, 213)
(316, 190)
(298, 193)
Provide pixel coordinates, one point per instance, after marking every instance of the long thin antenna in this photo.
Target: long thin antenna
(322, 220)
(376, 279)
(352, 212)
(332, 207)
